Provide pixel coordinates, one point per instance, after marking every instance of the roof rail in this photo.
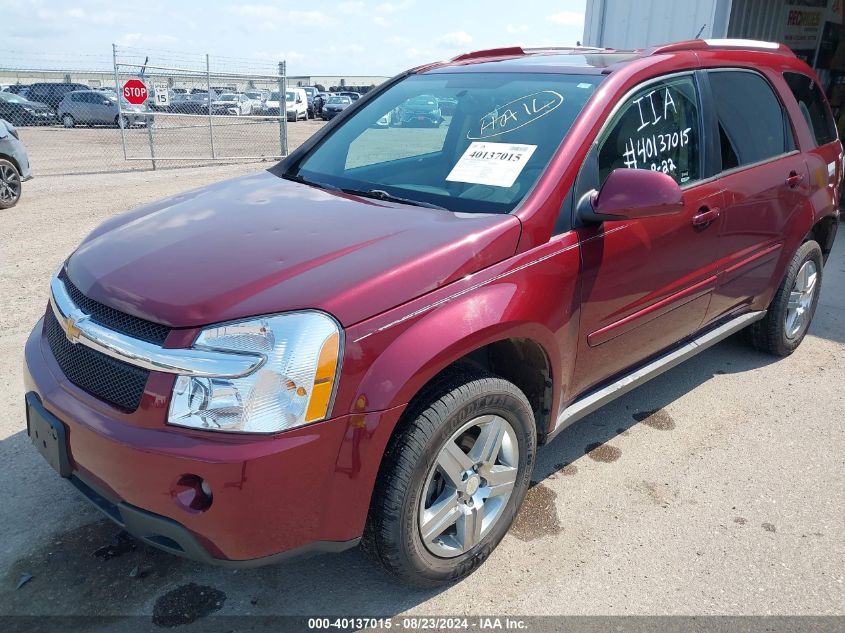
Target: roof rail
(711, 44)
(505, 51)
(595, 49)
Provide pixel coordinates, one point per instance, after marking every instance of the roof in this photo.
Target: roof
(584, 59)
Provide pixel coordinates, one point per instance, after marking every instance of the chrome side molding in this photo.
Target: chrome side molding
(80, 329)
(597, 399)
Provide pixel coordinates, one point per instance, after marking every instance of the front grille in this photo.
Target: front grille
(115, 319)
(115, 382)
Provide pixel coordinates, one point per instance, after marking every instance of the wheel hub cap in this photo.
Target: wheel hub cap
(801, 300)
(468, 486)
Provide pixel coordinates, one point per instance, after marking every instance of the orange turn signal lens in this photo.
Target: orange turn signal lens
(318, 405)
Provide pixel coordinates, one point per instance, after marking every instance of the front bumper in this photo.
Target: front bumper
(301, 490)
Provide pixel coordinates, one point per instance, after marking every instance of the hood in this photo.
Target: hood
(260, 244)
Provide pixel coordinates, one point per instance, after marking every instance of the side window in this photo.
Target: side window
(751, 120)
(657, 128)
(812, 104)
(76, 97)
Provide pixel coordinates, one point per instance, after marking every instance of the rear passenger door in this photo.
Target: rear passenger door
(765, 182)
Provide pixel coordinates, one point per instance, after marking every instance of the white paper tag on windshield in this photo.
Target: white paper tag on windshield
(496, 164)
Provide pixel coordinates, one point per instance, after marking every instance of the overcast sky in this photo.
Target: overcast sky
(318, 37)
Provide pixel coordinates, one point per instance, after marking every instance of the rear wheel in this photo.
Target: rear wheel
(121, 122)
(453, 478)
(791, 311)
(10, 184)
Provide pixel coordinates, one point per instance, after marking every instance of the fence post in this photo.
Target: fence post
(119, 106)
(283, 109)
(210, 118)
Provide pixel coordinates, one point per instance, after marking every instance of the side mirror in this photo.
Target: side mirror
(632, 194)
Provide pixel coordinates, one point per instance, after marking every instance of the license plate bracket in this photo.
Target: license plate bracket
(48, 435)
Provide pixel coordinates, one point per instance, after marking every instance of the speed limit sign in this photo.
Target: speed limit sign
(161, 94)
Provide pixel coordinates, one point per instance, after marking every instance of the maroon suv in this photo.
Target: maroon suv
(372, 338)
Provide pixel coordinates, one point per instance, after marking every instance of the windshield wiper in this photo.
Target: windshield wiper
(312, 183)
(380, 194)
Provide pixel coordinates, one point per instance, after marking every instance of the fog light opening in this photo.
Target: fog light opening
(192, 493)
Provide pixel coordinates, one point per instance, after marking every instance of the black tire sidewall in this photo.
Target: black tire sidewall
(9, 205)
(809, 250)
(517, 413)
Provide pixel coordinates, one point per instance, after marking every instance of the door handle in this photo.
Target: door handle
(706, 216)
(794, 179)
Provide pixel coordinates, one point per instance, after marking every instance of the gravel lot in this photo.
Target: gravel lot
(718, 488)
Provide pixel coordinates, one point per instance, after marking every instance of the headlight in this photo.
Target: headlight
(294, 386)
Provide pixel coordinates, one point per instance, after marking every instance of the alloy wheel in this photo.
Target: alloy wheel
(468, 487)
(10, 184)
(801, 299)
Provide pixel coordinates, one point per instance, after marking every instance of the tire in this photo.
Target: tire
(10, 184)
(68, 121)
(781, 331)
(121, 122)
(412, 482)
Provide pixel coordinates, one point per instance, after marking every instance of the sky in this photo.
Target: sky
(352, 37)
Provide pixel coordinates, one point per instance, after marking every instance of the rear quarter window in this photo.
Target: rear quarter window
(752, 123)
(812, 104)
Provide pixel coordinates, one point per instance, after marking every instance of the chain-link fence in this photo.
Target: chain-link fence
(198, 110)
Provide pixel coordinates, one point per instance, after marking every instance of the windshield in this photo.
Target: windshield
(289, 96)
(339, 100)
(12, 98)
(483, 154)
(228, 97)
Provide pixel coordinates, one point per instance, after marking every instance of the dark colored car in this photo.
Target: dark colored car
(52, 94)
(334, 105)
(191, 103)
(310, 92)
(20, 111)
(422, 110)
(319, 102)
(373, 337)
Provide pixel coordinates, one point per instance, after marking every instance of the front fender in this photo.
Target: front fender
(392, 356)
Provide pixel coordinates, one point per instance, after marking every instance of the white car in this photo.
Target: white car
(296, 104)
(232, 103)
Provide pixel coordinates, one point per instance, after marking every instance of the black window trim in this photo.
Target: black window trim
(714, 130)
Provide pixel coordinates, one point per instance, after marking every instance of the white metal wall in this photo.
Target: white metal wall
(629, 24)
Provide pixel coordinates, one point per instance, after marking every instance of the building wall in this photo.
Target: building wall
(626, 24)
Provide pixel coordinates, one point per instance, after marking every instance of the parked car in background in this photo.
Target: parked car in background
(90, 107)
(319, 102)
(52, 93)
(422, 110)
(352, 95)
(14, 165)
(310, 93)
(17, 88)
(260, 98)
(296, 104)
(232, 103)
(335, 104)
(191, 103)
(20, 111)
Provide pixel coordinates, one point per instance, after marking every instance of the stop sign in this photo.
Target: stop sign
(135, 92)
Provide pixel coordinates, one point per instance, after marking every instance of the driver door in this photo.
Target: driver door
(646, 284)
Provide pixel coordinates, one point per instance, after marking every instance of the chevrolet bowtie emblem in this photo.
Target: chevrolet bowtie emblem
(71, 330)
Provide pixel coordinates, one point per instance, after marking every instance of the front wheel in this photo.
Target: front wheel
(10, 184)
(789, 315)
(453, 478)
(67, 120)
